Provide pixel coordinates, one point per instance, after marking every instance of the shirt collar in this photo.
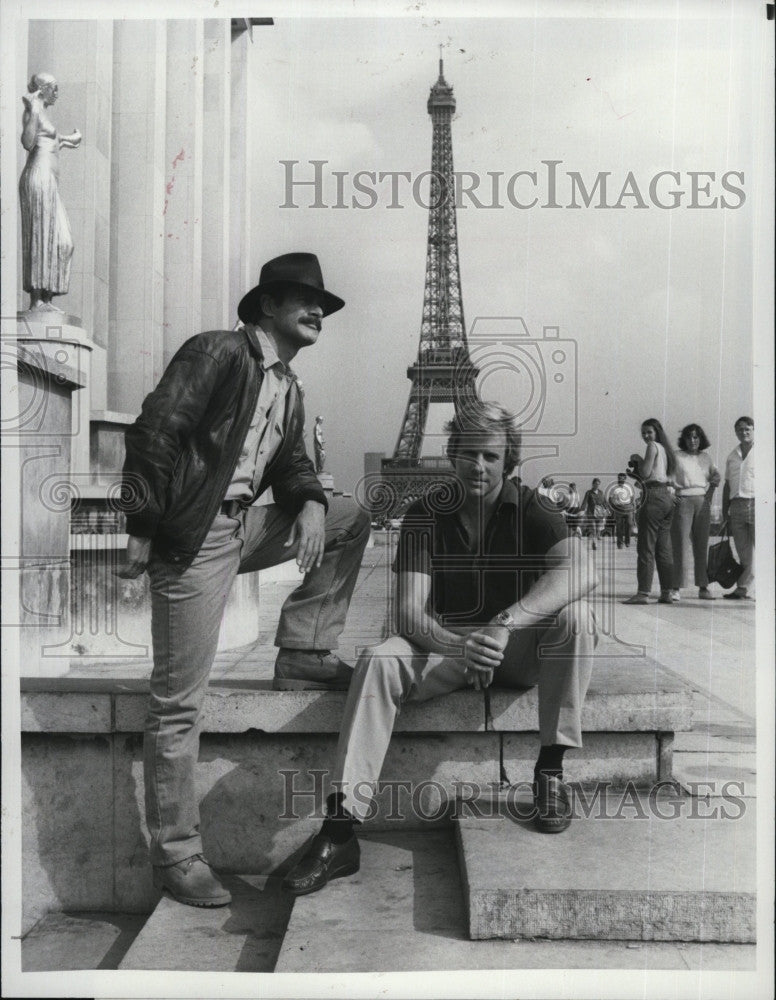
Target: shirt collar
(509, 494)
(269, 356)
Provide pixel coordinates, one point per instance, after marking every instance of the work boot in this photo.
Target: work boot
(193, 882)
(310, 669)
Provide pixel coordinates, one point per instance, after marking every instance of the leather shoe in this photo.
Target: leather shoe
(192, 881)
(323, 861)
(552, 804)
(310, 670)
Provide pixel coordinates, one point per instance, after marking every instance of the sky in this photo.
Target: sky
(657, 302)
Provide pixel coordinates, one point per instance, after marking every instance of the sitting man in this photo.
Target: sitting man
(495, 587)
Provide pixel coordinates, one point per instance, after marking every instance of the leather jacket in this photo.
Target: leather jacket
(182, 450)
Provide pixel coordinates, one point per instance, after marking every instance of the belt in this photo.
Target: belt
(655, 485)
(233, 508)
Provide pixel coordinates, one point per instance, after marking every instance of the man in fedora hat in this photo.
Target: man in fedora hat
(224, 424)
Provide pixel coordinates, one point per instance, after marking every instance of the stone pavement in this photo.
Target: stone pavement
(709, 644)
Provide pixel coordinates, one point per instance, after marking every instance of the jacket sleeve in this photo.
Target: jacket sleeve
(296, 482)
(154, 442)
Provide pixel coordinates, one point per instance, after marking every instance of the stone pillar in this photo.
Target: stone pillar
(241, 277)
(216, 127)
(46, 381)
(183, 184)
(135, 351)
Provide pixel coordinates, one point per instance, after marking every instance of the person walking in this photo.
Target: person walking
(596, 511)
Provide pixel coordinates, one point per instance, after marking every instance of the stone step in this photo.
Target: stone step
(243, 937)
(625, 695)
(404, 912)
(621, 871)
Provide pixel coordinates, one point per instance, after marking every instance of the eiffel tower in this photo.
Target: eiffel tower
(443, 372)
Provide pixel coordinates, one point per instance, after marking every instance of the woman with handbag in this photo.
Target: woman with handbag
(696, 479)
(596, 511)
(656, 470)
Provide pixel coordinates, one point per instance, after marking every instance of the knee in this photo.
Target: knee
(577, 617)
(379, 669)
(357, 521)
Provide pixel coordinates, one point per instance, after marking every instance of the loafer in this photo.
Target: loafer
(552, 813)
(193, 882)
(736, 595)
(705, 594)
(310, 670)
(323, 861)
(637, 599)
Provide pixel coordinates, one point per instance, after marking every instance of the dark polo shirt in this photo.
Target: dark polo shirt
(473, 580)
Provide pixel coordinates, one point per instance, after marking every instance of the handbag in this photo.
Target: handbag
(721, 566)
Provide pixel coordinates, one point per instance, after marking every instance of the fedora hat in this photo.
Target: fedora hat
(293, 268)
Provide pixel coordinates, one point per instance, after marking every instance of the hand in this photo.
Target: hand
(309, 532)
(635, 458)
(138, 557)
(483, 652)
(715, 481)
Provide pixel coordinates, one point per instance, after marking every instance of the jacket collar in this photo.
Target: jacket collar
(264, 349)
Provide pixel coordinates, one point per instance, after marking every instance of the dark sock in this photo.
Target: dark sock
(550, 761)
(338, 825)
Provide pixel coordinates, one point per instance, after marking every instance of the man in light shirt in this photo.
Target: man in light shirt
(738, 504)
(224, 425)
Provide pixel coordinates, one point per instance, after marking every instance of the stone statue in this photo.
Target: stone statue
(318, 443)
(47, 245)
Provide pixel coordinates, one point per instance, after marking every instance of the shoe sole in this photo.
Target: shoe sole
(338, 873)
(287, 684)
(552, 829)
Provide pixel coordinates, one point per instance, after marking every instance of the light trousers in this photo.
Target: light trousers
(186, 612)
(690, 539)
(556, 656)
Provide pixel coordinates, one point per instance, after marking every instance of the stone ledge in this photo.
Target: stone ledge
(616, 702)
(628, 870)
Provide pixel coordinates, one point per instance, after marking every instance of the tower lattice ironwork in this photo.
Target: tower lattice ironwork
(443, 372)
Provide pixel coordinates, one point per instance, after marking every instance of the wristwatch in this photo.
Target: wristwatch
(504, 618)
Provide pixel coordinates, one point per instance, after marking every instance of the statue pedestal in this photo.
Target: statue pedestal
(60, 338)
(49, 374)
(327, 481)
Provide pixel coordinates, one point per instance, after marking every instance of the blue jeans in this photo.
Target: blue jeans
(654, 541)
(690, 539)
(186, 612)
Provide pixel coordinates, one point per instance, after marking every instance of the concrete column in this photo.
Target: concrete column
(241, 276)
(183, 184)
(46, 382)
(215, 176)
(137, 201)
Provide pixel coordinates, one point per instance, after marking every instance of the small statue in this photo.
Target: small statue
(318, 444)
(47, 245)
